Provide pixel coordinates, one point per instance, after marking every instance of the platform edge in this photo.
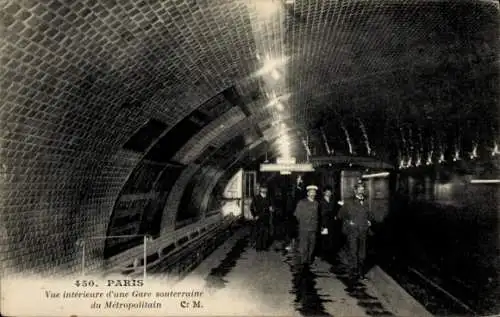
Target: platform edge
(400, 302)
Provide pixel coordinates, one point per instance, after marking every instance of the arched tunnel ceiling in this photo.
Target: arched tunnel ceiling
(87, 75)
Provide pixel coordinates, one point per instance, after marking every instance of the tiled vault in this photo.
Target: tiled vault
(79, 78)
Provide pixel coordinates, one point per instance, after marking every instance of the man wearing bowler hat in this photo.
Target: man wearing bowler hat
(261, 209)
(307, 214)
(356, 223)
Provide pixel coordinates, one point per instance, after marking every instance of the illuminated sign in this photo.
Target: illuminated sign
(384, 174)
(281, 160)
(286, 168)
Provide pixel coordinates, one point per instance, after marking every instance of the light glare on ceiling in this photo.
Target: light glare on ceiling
(275, 74)
(266, 8)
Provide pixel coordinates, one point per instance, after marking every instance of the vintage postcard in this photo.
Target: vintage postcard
(249, 158)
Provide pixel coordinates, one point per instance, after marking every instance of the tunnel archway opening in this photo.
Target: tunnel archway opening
(232, 195)
(189, 210)
(139, 208)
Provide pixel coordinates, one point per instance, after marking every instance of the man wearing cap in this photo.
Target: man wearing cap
(356, 222)
(261, 209)
(307, 214)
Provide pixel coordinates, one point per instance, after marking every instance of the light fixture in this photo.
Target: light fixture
(383, 174)
(279, 106)
(485, 181)
(495, 150)
(303, 167)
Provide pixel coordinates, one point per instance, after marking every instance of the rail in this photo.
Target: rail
(441, 290)
(188, 250)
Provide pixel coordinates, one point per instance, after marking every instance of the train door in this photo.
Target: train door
(378, 196)
(249, 190)
(347, 181)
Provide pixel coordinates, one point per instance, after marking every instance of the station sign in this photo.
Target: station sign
(304, 167)
(282, 160)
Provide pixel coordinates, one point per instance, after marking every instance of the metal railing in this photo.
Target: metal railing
(83, 242)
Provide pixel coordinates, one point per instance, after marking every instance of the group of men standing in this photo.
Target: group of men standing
(323, 221)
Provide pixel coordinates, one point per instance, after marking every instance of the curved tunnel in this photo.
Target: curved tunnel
(130, 117)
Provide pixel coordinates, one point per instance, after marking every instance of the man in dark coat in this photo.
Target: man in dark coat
(330, 235)
(356, 222)
(297, 192)
(307, 214)
(261, 208)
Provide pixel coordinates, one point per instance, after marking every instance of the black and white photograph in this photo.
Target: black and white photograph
(250, 158)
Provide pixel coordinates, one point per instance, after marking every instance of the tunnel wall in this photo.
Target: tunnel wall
(140, 205)
(42, 235)
(71, 98)
(170, 232)
(72, 215)
(191, 206)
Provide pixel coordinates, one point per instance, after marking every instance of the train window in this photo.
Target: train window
(182, 240)
(152, 257)
(166, 250)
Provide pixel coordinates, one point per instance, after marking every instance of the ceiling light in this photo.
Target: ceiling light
(485, 181)
(275, 74)
(383, 174)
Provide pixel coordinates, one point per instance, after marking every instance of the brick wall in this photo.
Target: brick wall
(78, 78)
(76, 81)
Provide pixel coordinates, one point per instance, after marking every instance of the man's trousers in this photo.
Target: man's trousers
(307, 243)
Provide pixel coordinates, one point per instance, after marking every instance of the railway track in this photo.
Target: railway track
(428, 281)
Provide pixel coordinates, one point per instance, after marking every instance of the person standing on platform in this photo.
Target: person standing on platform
(328, 212)
(297, 193)
(356, 223)
(307, 214)
(261, 209)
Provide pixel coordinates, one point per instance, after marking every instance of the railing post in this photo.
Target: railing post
(145, 256)
(83, 257)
